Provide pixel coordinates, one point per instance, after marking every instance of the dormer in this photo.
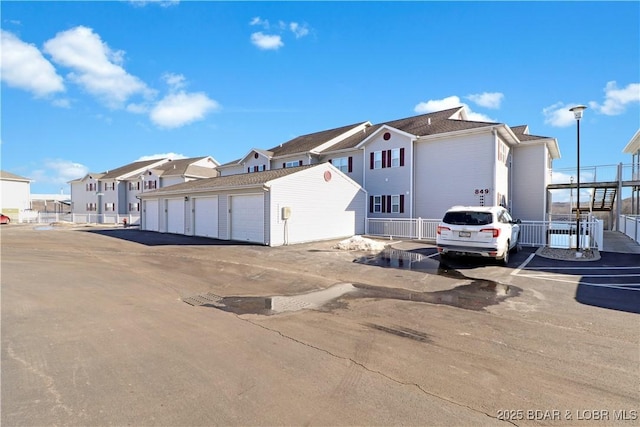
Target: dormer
(256, 161)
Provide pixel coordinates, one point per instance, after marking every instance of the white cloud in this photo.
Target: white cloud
(298, 30)
(450, 102)
(181, 108)
(173, 156)
(274, 41)
(58, 172)
(23, 66)
(616, 100)
(487, 99)
(95, 66)
(175, 81)
(260, 22)
(558, 115)
(266, 41)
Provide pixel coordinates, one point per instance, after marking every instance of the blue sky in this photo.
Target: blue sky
(91, 86)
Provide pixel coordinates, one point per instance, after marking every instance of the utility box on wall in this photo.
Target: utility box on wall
(286, 213)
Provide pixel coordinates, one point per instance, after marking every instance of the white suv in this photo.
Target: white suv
(487, 231)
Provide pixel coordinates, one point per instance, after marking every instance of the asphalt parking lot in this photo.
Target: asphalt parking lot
(123, 327)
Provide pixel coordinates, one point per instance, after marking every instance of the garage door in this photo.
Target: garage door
(247, 218)
(205, 216)
(151, 215)
(175, 216)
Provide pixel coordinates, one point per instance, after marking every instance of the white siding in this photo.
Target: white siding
(530, 179)
(320, 209)
(252, 162)
(448, 171)
(389, 180)
(232, 170)
(357, 173)
(15, 196)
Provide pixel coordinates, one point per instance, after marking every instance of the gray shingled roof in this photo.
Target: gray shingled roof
(12, 177)
(519, 131)
(424, 124)
(123, 170)
(237, 180)
(185, 167)
(310, 141)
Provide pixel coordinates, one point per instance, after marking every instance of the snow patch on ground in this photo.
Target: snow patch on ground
(359, 243)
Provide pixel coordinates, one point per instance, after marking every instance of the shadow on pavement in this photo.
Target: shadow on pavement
(152, 238)
(614, 298)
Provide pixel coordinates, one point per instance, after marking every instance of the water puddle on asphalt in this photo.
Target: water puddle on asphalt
(43, 228)
(473, 294)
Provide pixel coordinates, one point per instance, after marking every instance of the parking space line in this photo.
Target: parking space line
(523, 265)
(582, 268)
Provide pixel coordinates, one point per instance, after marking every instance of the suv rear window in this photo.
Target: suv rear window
(468, 218)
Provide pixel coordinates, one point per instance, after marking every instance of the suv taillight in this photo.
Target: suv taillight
(441, 227)
(494, 231)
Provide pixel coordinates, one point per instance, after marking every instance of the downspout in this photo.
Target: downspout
(495, 167)
(411, 180)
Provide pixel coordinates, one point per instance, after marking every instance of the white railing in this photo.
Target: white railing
(48, 218)
(630, 225)
(559, 234)
(403, 228)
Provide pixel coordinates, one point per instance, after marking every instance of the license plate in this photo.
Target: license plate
(464, 233)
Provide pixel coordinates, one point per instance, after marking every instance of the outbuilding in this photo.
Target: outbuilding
(274, 207)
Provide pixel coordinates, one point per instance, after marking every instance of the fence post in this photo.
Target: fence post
(419, 223)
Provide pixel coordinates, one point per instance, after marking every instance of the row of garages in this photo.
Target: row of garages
(273, 208)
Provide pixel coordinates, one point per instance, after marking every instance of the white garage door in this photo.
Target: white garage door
(151, 215)
(205, 216)
(247, 218)
(175, 216)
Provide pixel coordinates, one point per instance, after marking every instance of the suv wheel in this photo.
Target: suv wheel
(505, 258)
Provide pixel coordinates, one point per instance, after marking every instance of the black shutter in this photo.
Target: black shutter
(350, 164)
(384, 159)
(388, 158)
(401, 201)
(402, 157)
(370, 203)
(388, 203)
(330, 161)
(300, 163)
(284, 165)
(384, 204)
(371, 161)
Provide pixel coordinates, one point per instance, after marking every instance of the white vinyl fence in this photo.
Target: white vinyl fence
(630, 225)
(48, 218)
(557, 234)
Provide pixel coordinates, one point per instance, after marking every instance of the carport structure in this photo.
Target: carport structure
(275, 207)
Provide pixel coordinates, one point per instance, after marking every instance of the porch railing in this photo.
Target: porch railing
(553, 233)
(48, 218)
(630, 225)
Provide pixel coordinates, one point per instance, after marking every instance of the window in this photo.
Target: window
(292, 164)
(258, 168)
(134, 185)
(109, 207)
(386, 159)
(91, 186)
(345, 164)
(503, 152)
(134, 207)
(91, 207)
(395, 204)
(109, 186)
(150, 185)
(377, 203)
(392, 204)
(395, 158)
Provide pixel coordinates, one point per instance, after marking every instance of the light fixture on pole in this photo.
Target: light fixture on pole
(577, 113)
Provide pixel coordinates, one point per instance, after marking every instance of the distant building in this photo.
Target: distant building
(15, 194)
(51, 203)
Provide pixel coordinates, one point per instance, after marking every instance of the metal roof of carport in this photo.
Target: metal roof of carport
(242, 180)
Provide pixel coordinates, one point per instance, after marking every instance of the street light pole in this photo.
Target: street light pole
(577, 112)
